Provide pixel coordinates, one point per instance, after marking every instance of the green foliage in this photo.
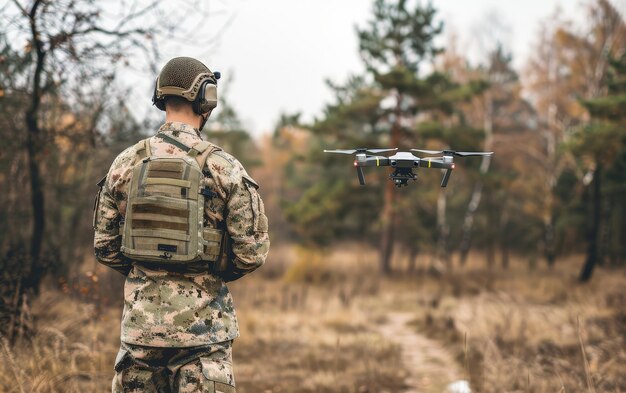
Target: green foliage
(318, 202)
(461, 136)
(610, 108)
(601, 147)
(602, 139)
(399, 35)
(380, 109)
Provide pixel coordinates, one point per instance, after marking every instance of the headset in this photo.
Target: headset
(202, 94)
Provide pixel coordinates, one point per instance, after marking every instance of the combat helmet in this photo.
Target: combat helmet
(188, 78)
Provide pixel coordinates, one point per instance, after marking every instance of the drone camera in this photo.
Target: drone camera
(393, 162)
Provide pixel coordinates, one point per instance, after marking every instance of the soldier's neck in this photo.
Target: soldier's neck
(189, 118)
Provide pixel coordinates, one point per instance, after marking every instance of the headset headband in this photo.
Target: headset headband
(189, 94)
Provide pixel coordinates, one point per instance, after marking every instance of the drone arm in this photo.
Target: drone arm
(359, 163)
(437, 164)
(373, 161)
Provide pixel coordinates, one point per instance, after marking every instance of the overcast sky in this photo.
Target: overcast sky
(279, 52)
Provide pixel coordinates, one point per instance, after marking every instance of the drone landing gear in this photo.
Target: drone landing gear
(401, 176)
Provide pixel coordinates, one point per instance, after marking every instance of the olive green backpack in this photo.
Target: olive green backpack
(164, 220)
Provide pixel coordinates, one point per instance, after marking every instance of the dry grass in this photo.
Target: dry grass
(537, 331)
(311, 322)
(72, 351)
(306, 331)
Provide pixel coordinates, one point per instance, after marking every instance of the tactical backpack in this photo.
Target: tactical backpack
(164, 220)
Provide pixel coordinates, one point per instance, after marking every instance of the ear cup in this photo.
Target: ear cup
(210, 97)
(159, 103)
(195, 104)
(206, 99)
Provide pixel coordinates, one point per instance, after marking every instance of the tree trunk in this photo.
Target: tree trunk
(491, 254)
(504, 249)
(413, 259)
(622, 234)
(37, 196)
(549, 209)
(443, 253)
(34, 141)
(468, 222)
(387, 234)
(592, 248)
(388, 214)
(549, 240)
(504, 236)
(605, 248)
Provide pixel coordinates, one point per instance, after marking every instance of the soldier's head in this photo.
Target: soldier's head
(185, 85)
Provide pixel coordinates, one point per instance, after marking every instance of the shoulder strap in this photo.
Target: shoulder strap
(173, 141)
(204, 150)
(197, 151)
(198, 148)
(143, 148)
(147, 145)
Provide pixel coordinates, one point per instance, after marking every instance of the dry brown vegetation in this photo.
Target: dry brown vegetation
(313, 322)
(537, 331)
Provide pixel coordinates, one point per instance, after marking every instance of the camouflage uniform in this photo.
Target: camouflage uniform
(179, 322)
(205, 368)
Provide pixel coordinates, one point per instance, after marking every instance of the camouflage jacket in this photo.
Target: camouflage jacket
(183, 309)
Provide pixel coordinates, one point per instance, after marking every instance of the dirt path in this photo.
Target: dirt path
(432, 368)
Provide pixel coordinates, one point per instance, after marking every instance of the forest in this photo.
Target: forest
(510, 279)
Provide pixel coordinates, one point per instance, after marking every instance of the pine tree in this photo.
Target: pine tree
(603, 143)
(380, 109)
(323, 202)
(396, 46)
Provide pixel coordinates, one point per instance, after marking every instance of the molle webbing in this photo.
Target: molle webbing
(164, 220)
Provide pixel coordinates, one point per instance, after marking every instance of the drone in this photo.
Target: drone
(404, 162)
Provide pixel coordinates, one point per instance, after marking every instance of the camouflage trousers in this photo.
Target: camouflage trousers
(206, 369)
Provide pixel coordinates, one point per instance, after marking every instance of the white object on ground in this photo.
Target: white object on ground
(459, 387)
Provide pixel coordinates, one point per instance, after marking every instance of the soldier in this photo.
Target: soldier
(179, 322)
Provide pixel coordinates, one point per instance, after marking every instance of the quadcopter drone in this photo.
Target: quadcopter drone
(405, 162)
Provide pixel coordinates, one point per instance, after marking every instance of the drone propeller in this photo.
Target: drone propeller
(455, 153)
(378, 151)
(360, 151)
(339, 151)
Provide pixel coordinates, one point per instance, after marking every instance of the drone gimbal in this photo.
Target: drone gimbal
(404, 162)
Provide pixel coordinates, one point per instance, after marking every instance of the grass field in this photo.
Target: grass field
(315, 322)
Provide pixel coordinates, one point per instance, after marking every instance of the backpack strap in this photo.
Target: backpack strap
(143, 148)
(173, 141)
(148, 149)
(201, 152)
(197, 151)
(198, 148)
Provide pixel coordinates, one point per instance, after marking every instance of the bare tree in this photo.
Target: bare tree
(70, 52)
(568, 65)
